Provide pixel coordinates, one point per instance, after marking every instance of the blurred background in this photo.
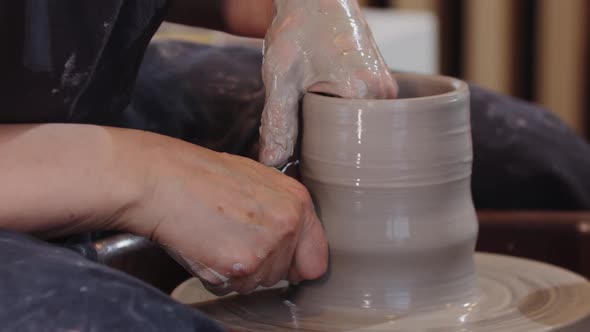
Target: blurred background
(538, 50)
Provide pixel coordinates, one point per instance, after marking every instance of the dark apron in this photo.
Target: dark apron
(71, 60)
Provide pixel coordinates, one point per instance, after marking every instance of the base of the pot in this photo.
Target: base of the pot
(512, 294)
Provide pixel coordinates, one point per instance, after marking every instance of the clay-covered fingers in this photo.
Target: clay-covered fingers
(355, 81)
(281, 74)
(232, 222)
(278, 130)
(310, 260)
(305, 246)
(242, 277)
(274, 269)
(319, 46)
(213, 281)
(217, 289)
(288, 235)
(377, 81)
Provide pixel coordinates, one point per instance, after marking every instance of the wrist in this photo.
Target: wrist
(132, 172)
(111, 175)
(150, 168)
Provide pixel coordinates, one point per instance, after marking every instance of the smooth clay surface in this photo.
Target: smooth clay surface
(391, 184)
(511, 294)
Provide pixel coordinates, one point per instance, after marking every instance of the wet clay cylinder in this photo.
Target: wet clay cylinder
(391, 183)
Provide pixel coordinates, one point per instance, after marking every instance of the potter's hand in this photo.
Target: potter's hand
(320, 46)
(233, 222)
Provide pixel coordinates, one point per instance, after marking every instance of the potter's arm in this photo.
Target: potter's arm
(63, 179)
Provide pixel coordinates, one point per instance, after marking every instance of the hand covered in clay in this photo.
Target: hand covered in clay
(235, 223)
(319, 46)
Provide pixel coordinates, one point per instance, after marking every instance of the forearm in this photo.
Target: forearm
(249, 18)
(59, 179)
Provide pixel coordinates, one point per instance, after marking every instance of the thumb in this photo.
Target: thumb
(278, 130)
(310, 260)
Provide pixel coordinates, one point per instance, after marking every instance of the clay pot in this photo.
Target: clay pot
(391, 184)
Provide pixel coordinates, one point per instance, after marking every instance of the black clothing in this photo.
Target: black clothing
(72, 60)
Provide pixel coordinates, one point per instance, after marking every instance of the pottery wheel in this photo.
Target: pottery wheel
(512, 294)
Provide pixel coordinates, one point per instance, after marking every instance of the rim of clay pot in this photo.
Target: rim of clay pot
(457, 89)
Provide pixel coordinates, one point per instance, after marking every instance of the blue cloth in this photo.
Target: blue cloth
(49, 288)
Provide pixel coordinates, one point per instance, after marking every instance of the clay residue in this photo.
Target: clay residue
(70, 77)
(320, 46)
